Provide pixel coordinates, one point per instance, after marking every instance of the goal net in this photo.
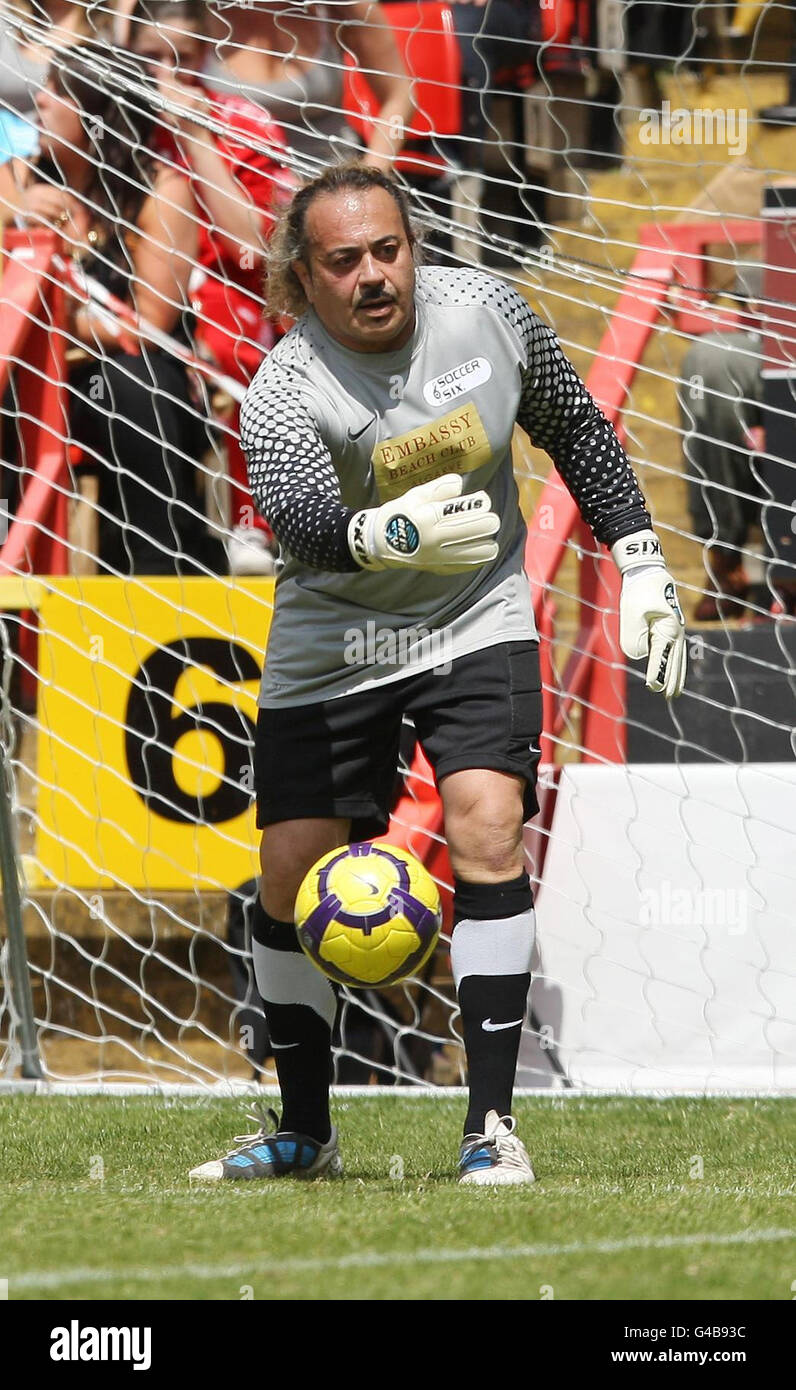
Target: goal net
(631, 169)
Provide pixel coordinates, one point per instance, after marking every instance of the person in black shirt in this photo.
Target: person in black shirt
(132, 227)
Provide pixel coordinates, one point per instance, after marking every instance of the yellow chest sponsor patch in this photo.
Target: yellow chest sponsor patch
(455, 443)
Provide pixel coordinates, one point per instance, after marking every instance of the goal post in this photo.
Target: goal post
(22, 1041)
(662, 858)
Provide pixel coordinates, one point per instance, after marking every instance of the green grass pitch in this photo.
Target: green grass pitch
(635, 1199)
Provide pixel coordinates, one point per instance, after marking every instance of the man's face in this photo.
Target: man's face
(360, 275)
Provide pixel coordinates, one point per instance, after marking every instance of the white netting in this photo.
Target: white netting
(613, 163)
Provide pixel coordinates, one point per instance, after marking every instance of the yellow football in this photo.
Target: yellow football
(368, 914)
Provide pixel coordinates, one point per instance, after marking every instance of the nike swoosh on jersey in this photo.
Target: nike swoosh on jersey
(359, 433)
(273, 1044)
(490, 1027)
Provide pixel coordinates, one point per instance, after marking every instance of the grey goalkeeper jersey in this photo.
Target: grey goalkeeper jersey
(327, 430)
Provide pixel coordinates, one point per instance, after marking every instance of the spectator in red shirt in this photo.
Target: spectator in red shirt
(234, 154)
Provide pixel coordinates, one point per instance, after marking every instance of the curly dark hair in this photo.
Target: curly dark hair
(288, 243)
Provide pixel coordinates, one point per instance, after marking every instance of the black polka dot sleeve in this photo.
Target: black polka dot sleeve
(559, 415)
(556, 410)
(292, 477)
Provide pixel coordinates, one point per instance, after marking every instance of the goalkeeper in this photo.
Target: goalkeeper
(378, 437)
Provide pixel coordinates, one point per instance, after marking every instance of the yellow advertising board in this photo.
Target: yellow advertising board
(147, 706)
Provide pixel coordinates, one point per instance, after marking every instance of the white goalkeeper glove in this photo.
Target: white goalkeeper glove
(651, 622)
(427, 529)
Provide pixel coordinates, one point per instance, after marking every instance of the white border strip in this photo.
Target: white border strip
(235, 1089)
(372, 1259)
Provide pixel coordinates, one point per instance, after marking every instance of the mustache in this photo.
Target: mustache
(374, 297)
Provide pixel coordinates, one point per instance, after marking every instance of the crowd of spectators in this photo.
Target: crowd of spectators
(160, 138)
(214, 94)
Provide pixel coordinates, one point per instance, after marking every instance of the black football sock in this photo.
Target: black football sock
(300, 1007)
(493, 936)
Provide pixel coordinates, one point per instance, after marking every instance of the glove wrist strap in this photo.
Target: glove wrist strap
(359, 539)
(640, 548)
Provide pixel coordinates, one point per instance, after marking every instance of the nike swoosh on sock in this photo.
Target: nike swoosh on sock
(490, 1027)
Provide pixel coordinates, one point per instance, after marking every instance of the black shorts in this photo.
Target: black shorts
(338, 758)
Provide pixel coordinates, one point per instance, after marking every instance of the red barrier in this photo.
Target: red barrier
(34, 347)
(566, 27)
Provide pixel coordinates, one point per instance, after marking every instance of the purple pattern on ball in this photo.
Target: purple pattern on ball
(401, 903)
(403, 872)
(367, 923)
(427, 933)
(364, 849)
(312, 930)
(413, 910)
(323, 876)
